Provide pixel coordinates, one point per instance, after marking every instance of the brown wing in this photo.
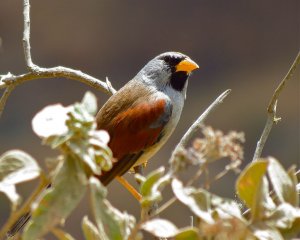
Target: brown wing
(132, 131)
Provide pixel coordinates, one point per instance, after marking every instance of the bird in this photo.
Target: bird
(142, 115)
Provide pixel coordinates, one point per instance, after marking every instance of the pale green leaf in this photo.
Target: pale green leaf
(264, 232)
(160, 228)
(112, 224)
(282, 184)
(86, 154)
(197, 200)
(59, 201)
(90, 230)
(226, 207)
(284, 216)
(89, 102)
(152, 187)
(151, 179)
(17, 166)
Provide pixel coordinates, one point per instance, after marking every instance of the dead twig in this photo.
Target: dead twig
(271, 119)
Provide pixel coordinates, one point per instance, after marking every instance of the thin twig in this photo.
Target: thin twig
(26, 36)
(184, 140)
(109, 86)
(271, 119)
(4, 97)
(56, 72)
(197, 124)
(25, 208)
(282, 84)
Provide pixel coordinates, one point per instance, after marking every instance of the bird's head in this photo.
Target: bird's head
(168, 69)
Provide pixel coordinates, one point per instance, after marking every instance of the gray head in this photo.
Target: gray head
(168, 69)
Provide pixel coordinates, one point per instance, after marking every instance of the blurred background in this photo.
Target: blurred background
(247, 46)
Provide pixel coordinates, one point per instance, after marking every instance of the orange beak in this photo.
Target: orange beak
(186, 65)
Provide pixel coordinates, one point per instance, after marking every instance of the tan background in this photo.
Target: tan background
(247, 46)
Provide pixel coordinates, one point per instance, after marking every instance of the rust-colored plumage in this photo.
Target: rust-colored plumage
(132, 129)
(132, 125)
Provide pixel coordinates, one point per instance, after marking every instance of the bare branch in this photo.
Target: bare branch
(271, 119)
(25, 208)
(197, 124)
(26, 36)
(56, 72)
(183, 142)
(10, 81)
(282, 84)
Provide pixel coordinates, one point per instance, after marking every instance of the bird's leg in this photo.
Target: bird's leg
(129, 187)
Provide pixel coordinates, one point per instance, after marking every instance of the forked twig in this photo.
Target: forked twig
(9, 81)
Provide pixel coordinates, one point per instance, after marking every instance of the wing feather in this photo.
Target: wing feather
(132, 131)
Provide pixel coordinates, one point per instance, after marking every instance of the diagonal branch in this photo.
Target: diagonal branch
(185, 139)
(197, 124)
(271, 119)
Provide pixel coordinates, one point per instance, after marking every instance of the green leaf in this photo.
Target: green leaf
(57, 141)
(160, 228)
(252, 188)
(61, 235)
(282, 184)
(152, 186)
(151, 179)
(86, 154)
(89, 102)
(112, 224)
(59, 200)
(16, 167)
(189, 233)
(90, 230)
(197, 200)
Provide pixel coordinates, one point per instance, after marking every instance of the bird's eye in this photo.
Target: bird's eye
(167, 59)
